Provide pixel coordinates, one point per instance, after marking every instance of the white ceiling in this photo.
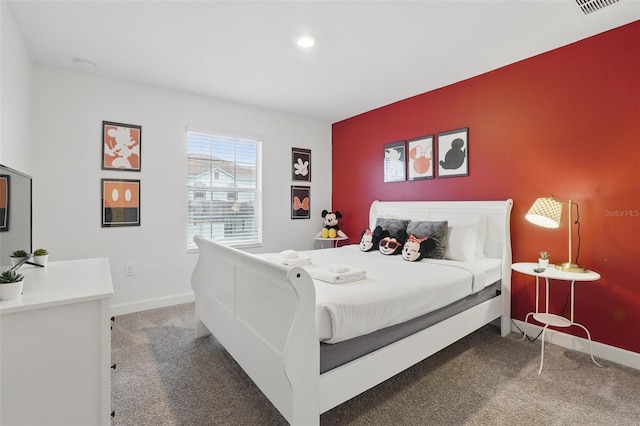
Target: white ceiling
(369, 53)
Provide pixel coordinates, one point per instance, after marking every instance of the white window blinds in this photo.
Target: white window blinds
(224, 189)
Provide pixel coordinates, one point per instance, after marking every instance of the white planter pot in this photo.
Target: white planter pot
(16, 260)
(41, 260)
(11, 291)
(544, 263)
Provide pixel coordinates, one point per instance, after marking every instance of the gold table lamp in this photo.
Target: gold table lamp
(547, 212)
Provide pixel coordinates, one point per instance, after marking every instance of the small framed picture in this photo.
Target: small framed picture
(120, 202)
(301, 164)
(121, 146)
(300, 202)
(420, 164)
(453, 153)
(4, 202)
(395, 162)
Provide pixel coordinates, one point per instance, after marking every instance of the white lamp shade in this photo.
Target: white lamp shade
(545, 212)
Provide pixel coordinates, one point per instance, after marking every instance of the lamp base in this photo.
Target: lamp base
(570, 267)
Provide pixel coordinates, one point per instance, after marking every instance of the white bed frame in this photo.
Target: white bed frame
(264, 316)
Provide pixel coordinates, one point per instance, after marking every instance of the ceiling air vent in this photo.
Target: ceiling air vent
(590, 6)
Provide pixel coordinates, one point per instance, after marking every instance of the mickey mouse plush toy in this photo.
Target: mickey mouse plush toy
(393, 245)
(331, 228)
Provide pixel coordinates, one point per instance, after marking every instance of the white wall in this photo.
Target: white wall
(68, 110)
(15, 95)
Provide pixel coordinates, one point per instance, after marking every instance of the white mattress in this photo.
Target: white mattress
(393, 291)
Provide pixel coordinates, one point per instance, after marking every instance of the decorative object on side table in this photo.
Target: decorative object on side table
(543, 260)
(40, 257)
(331, 232)
(10, 285)
(18, 256)
(546, 212)
(330, 222)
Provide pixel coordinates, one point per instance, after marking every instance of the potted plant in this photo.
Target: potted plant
(17, 256)
(40, 256)
(10, 285)
(543, 260)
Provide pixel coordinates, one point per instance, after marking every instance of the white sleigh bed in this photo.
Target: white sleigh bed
(264, 314)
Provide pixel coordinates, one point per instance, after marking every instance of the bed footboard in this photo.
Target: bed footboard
(264, 316)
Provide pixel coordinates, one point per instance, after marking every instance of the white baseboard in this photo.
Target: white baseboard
(600, 350)
(144, 305)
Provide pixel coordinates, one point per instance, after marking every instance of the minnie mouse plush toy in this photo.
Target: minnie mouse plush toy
(371, 240)
(417, 248)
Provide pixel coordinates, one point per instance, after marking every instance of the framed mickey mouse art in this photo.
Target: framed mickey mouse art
(395, 166)
(453, 153)
(300, 202)
(120, 202)
(301, 164)
(121, 146)
(421, 157)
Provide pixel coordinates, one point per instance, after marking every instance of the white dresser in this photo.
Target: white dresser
(55, 346)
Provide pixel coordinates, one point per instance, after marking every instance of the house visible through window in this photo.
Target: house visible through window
(224, 189)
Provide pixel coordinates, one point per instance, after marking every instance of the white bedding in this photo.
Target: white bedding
(393, 291)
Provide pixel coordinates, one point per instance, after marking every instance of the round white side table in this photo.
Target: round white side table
(547, 318)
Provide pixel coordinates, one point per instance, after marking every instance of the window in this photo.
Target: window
(224, 188)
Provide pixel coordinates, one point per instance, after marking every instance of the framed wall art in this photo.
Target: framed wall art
(121, 146)
(301, 164)
(4, 202)
(395, 165)
(300, 202)
(420, 164)
(120, 202)
(453, 153)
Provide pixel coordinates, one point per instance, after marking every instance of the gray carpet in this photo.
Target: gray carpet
(166, 377)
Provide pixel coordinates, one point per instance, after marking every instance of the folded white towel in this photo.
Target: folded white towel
(289, 258)
(338, 268)
(298, 261)
(326, 275)
(290, 254)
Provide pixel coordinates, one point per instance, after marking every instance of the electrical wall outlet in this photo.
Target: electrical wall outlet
(128, 270)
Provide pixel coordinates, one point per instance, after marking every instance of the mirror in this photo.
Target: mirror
(15, 213)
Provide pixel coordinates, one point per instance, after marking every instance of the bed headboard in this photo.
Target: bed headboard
(495, 216)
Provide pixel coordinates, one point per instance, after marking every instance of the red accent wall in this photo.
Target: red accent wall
(564, 123)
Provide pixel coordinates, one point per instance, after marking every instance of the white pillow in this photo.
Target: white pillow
(457, 220)
(482, 237)
(461, 241)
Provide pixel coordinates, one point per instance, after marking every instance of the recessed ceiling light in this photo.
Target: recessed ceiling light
(306, 40)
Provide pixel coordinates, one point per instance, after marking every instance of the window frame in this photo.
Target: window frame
(205, 196)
